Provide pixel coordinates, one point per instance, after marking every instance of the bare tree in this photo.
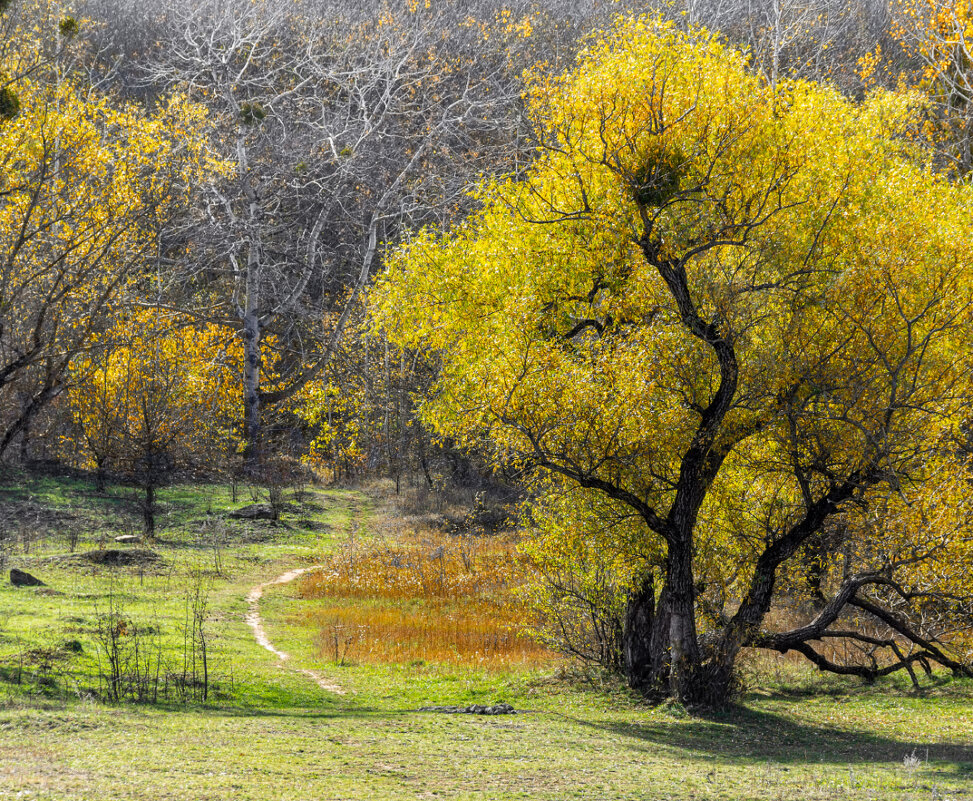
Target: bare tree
(817, 39)
(337, 130)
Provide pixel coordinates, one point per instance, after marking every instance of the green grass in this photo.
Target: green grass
(270, 733)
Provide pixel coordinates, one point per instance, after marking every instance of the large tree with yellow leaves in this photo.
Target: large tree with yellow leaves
(736, 316)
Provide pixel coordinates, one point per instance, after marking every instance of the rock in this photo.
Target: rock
(20, 578)
(473, 709)
(132, 538)
(256, 511)
(114, 558)
(496, 709)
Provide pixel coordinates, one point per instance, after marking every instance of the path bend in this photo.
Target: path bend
(255, 622)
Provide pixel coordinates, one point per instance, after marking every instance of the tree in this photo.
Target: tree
(736, 315)
(157, 395)
(86, 184)
(815, 39)
(937, 35)
(341, 126)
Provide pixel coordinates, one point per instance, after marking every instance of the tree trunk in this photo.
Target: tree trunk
(25, 443)
(251, 388)
(250, 314)
(423, 461)
(148, 512)
(684, 653)
(637, 656)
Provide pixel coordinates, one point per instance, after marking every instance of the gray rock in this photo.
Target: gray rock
(256, 511)
(473, 709)
(20, 578)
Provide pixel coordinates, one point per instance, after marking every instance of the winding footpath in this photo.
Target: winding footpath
(260, 635)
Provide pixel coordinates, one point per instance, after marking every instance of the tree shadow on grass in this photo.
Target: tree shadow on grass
(748, 735)
(295, 712)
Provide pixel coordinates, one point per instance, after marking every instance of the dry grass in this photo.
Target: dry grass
(423, 596)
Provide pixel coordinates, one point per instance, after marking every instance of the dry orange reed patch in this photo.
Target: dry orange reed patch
(426, 596)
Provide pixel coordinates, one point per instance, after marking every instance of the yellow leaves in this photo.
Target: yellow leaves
(158, 382)
(810, 237)
(333, 414)
(939, 34)
(868, 64)
(88, 183)
(87, 180)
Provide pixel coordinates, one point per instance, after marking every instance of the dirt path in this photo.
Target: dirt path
(256, 625)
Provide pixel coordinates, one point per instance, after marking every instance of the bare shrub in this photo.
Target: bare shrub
(193, 681)
(583, 612)
(213, 535)
(72, 535)
(26, 534)
(338, 639)
(133, 663)
(129, 654)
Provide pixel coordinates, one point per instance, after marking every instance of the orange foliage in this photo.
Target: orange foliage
(430, 596)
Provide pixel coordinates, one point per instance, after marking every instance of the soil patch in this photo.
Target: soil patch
(112, 557)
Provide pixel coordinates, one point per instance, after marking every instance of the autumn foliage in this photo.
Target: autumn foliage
(86, 185)
(158, 392)
(735, 313)
(158, 384)
(713, 317)
(425, 596)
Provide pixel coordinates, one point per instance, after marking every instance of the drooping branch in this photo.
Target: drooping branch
(869, 673)
(759, 596)
(818, 627)
(922, 649)
(905, 630)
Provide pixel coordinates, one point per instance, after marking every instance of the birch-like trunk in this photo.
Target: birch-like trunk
(251, 365)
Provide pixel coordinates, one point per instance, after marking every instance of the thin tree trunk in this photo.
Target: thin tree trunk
(637, 635)
(148, 511)
(423, 462)
(25, 442)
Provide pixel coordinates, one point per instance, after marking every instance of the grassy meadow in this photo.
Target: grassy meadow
(402, 616)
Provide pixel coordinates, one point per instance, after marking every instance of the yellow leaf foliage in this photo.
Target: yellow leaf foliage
(810, 233)
(159, 385)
